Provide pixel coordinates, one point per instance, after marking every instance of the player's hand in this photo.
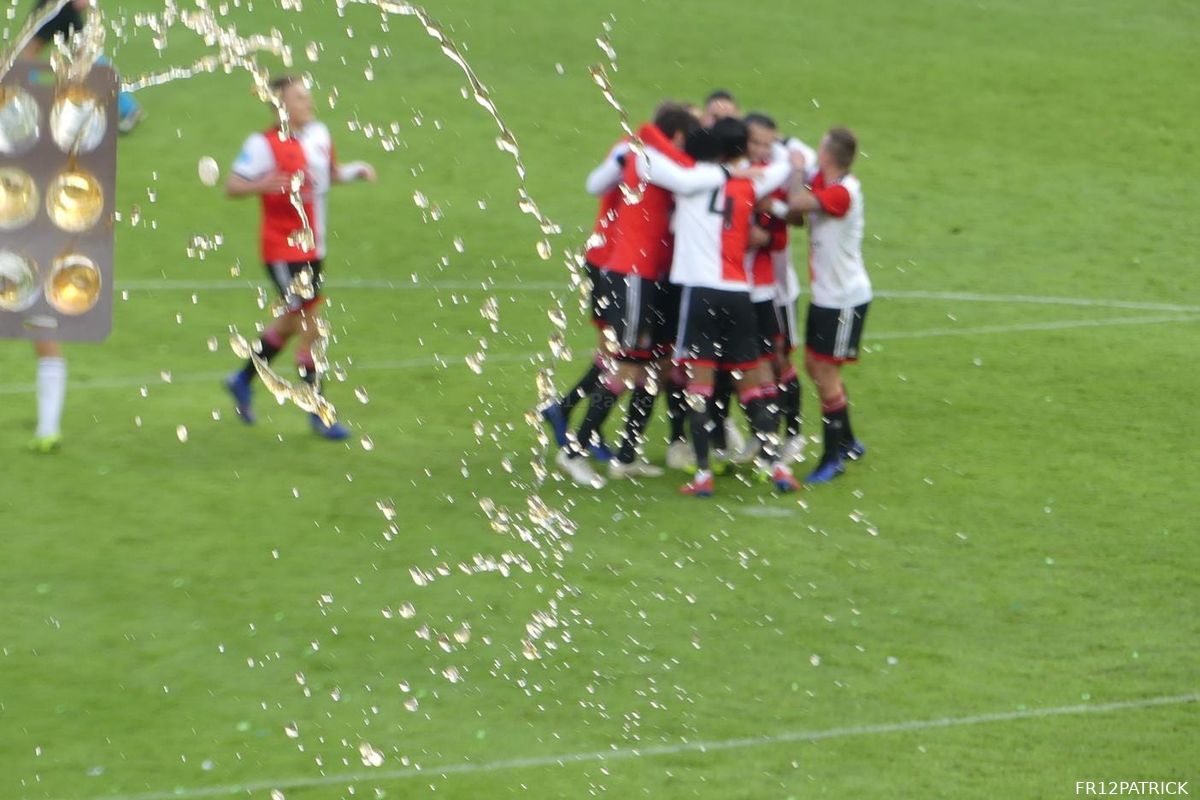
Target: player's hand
(275, 183)
(799, 162)
(368, 174)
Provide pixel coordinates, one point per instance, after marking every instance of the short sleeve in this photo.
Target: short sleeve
(834, 200)
(256, 159)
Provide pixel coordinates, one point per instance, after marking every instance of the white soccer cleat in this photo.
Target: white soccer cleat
(579, 470)
(680, 456)
(618, 470)
(792, 450)
(748, 452)
(735, 442)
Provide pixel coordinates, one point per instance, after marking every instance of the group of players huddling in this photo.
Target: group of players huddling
(694, 294)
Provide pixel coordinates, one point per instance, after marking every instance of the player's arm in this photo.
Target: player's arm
(759, 238)
(605, 177)
(350, 171)
(658, 169)
(832, 200)
(254, 172)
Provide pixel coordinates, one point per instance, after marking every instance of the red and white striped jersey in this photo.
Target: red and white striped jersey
(837, 275)
(262, 154)
(713, 213)
(762, 261)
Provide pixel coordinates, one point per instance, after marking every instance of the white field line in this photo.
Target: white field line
(125, 382)
(379, 776)
(546, 286)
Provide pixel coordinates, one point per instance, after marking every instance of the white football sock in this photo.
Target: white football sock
(51, 394)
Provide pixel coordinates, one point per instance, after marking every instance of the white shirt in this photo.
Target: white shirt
(838, 275)
(712, 217)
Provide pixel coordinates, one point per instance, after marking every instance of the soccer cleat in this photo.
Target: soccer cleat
(783, 479)
(680, 455)
(747, 453)
(46, 444)
(853, 450)
(618, 469)
(127, 123)
(600, 452)
(239, 387)
(793, 449)
(735, 442)
(557, 421)
(578, 470)
(826, 471)
(700, 486)
(335, 432)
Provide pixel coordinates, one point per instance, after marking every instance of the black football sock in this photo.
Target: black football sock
(836, 421)
(267, 347)
(600, 405)
(722, 399)
(677, 410)
(790, 400)
(847, 432)
(641, 404)
(580, 390)
(763, 412)
(700, 423)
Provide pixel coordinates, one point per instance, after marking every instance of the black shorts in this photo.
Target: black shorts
(637, 312)
(66, 22)
(766, 313)
(789, 326)
(297, 290)
(717, 328)
(833, 334)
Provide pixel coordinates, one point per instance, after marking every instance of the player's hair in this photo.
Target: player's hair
(843, 145)
(761, 119)
(280, 83)
(672, 118)
(720, 94)
(703, 145)
(733, 136)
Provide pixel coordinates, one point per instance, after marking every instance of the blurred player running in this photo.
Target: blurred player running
(265, 167)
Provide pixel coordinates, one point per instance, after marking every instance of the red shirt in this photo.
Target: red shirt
(280, 220)
(764, 264)
(644, 242)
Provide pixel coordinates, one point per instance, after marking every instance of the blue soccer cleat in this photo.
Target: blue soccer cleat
(853, 450)
(239, 387)
(335, 432)
(826, 471)
(557, 421)
(600, 452)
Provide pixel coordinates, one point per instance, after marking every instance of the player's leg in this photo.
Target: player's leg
(558, 413)
(306, 366)
(790, 389)
(660, 323)
(679, 454)
(701, 423)
(51, 396)
(832, 339)
(273, 339)
(702, 331)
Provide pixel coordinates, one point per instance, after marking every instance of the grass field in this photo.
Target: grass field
(1000, 601)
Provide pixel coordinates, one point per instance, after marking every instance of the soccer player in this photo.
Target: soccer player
(636, 303)
(67, 21)
(773, 264)
(840, 292)
(603, 182)
(265, 167)
(717, 329)
(720, 104)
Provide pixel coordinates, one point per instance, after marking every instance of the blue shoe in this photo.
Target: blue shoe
(826, 471)
(335, 432)
(853, 450)
(601, 453)
(557, 421)
(239, 387)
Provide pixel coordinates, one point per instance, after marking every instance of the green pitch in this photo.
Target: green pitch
(1016, 554)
